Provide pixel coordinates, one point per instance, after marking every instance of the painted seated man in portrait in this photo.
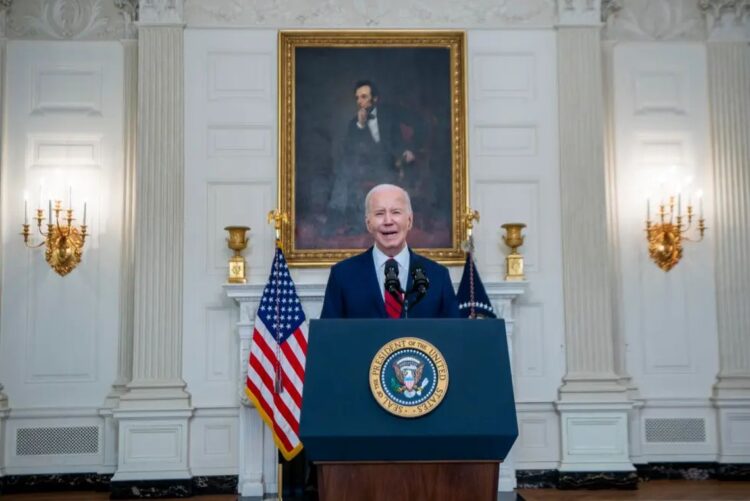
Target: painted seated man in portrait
(383, 144)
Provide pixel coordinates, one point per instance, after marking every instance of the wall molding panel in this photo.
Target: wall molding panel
(506, 140)
(66, 89)
(61, 151)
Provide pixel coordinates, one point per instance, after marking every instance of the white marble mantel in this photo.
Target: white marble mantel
(257, 461)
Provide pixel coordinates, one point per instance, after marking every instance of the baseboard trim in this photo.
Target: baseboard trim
(677, 471)
(16, 484)
(201, 485)
(555, 479)
(151, 489)
(595, 480)
(227, 484)
(733, 471)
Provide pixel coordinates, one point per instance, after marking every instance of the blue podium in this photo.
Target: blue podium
(363, 449)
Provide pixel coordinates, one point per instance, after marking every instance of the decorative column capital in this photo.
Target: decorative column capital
(727, 20)
(160, 12)
(609, 8)
(579, 12)
(129, 11)
(651, 20)
(4, 8)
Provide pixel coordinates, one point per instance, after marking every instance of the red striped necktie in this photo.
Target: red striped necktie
(393, 306)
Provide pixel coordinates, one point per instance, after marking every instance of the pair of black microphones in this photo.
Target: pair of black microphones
(420, 283)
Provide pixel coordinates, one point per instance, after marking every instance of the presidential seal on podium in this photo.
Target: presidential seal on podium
(408, 377)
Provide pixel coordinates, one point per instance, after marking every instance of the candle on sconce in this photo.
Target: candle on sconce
(700, 206)
(25, 208)
(679, 204)
(50, 211)
(84, 213)
(648, 209)
(70, 196)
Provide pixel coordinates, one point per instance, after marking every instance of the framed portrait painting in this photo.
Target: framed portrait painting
(361, 108)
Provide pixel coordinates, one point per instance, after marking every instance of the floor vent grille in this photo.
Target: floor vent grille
(675, 430)
(57, 441)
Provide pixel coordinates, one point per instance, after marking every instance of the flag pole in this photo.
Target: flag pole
(471, 216)
(277, 217)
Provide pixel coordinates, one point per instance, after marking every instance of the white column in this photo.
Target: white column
(4, 408)
(153, 414)
(593, 405)
(729, 93)
(129, 140)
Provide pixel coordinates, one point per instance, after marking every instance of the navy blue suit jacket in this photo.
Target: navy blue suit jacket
(353, 290)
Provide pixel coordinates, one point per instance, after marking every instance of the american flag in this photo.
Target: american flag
(276, 366)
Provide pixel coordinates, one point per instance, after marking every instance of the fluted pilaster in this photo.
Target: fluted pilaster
(4, 409)
(728, 55)
(729, 94)
(157, 319)
(130, 131)
(4, 5)
(586, 268)
(156, 404)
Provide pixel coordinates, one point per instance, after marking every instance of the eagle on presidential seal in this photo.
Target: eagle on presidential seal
(408, 372)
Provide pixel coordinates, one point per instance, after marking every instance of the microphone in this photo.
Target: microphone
(392, 284)
(420, 283)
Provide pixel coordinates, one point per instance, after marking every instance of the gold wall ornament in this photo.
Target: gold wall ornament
(513, 238)
(63, 240)
(665, 237)
(470, 216)
(237, 241)
(277, 218)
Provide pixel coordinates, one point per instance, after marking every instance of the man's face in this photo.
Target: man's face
(364, 98)
(388, 220)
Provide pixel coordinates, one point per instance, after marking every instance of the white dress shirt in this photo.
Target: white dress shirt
(379, 259)
(372, 124)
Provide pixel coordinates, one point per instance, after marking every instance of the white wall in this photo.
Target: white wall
(59, 335)
(514, 177)
(230, 179)
(662, 140)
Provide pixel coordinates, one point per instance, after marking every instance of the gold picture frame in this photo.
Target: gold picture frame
(419, 78)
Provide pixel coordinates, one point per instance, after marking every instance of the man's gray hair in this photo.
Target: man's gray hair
(382, 187)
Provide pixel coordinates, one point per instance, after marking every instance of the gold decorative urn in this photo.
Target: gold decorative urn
(237, 241)
(513, 238)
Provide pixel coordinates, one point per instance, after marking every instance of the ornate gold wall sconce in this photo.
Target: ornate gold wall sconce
(237, 241)
(665, 236)
(64, 241)
(513, 238)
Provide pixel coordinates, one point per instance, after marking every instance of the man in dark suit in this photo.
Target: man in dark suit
(383, 144)
(381, 135)
(356, 286)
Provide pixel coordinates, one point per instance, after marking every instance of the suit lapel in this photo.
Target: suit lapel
(414, 261)
(373, 287)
